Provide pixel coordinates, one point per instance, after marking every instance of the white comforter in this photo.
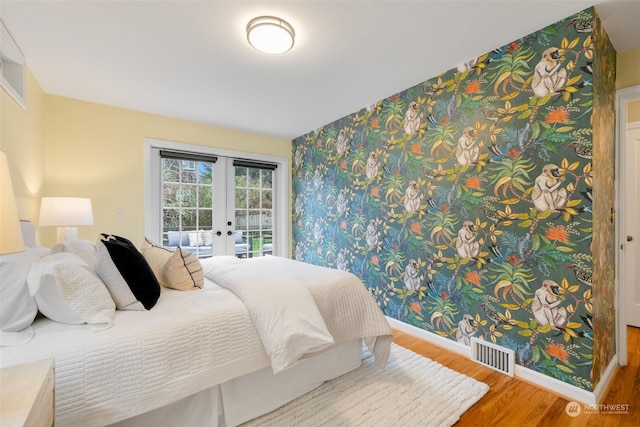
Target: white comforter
(189, 341)
(300, 309)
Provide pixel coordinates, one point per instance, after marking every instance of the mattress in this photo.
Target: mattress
(190, 341)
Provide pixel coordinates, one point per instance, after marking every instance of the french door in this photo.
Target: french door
(213, 204)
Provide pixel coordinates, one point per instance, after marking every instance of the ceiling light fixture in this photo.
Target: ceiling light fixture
(270, 35)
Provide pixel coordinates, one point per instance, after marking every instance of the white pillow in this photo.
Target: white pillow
(17, 307)
(83, 248)
(195, 238)
(68, 291)
(207, 238)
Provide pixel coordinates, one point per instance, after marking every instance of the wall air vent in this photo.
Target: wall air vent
(499, 358)
(13, 67)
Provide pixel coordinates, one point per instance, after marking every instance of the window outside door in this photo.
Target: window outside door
(253, 207)
(187, 203)
(216, 205)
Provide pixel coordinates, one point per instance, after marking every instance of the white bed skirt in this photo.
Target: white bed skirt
(249, 396)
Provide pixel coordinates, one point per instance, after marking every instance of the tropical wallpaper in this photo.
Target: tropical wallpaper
(466, 203)
(603, 244)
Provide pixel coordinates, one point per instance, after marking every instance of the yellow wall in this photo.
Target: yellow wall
(628, 68)
(65, 147)
(97, 151)
(22, 138)
(633, 111)
(627, 75)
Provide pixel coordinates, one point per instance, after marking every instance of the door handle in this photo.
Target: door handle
(629, 238)
(230, 233)
(218, 233)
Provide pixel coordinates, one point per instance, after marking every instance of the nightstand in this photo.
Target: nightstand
(27, 394)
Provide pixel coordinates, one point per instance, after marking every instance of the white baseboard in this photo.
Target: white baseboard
(431, 337)
(605, 379)
(568, 391)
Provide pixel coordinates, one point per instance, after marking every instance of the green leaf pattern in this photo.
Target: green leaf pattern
(464, 203)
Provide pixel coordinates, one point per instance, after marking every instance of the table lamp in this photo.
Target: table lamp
(66, 213)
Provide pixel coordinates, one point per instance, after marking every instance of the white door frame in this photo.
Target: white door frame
(623, 97)
(281, 184)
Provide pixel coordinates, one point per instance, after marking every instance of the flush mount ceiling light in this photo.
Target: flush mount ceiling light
(269, 34)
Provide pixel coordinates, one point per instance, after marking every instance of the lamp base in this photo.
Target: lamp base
(67, 233)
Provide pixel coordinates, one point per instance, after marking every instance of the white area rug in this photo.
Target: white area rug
(410, 391)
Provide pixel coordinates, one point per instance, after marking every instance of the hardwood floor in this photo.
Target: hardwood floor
(513, 402)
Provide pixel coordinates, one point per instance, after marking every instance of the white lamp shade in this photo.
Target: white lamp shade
(65, 211)
(10, 231)
(271, 35)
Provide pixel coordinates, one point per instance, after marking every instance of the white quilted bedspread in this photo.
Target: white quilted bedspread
(189, 341)
(300, 309)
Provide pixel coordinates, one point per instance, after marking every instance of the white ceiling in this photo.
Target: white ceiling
(191, 60)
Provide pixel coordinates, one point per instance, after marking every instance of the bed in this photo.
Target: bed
(213, 356)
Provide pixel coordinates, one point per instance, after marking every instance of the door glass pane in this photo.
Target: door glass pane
(254, 199)
(187, 205)
(254, 177)
(253, 211)
(267, 199)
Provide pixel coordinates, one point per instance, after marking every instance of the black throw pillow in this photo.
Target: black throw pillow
(123, 269)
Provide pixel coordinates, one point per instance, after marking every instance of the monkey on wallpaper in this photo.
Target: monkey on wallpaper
(467, 151)
(341, 203)
(411, 276)
(545, 306)
(299, 251)
(412, 197)
(299, 156)
(341, 263)
(547, 193)
(372, 166)
(466, 245)
(412, 119)
(372, 234)
(467, 66)
(318, 230)
(465, 330)
(343, 140)
(549, 77)
(298, 208)
(317, 177)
